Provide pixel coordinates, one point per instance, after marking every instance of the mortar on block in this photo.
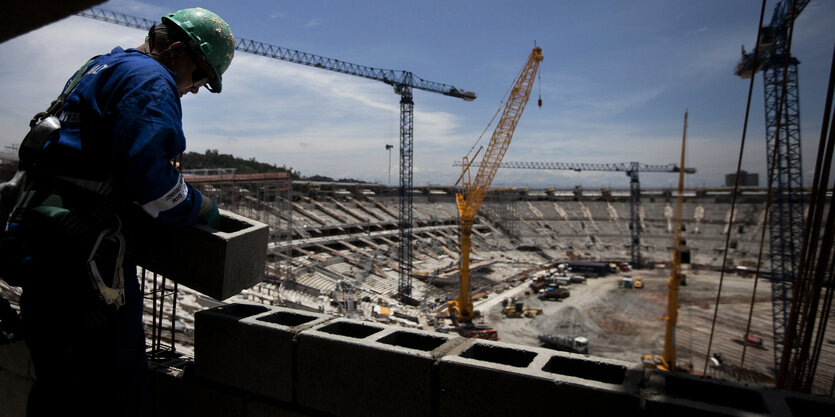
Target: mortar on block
(218, 263)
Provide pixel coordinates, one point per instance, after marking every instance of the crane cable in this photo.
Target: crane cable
(733, 199)
(502, 105)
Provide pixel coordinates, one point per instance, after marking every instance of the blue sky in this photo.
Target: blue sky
(616, 80)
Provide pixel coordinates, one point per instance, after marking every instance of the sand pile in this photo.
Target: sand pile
(568, 321)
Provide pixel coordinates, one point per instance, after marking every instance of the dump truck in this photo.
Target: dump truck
(479, 332)
(553, 293)
(577, 344)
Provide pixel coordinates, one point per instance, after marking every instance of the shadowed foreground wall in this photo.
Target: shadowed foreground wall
(253, 360)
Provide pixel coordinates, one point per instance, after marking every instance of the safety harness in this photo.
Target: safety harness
(89, 223)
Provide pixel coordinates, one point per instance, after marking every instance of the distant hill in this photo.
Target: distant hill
(213, 159)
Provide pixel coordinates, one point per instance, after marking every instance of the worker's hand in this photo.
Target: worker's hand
(209, 214)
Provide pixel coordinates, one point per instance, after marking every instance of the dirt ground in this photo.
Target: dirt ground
(626, 324)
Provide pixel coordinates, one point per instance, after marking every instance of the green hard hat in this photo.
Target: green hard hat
(212, 40)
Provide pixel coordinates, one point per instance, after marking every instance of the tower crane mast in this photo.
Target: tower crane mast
(630, 168)
(473, 190)
(403, 83)
(782, 123)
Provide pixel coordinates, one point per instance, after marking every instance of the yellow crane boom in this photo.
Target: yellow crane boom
(675, 270)
(473, 191)
(668, 361)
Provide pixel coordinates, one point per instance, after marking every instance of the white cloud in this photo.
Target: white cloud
(317, 21)
(288, 114)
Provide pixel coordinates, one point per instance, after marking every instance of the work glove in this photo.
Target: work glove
(209, 214)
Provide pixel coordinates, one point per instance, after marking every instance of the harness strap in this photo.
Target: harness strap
(57, 104)
(115, 292)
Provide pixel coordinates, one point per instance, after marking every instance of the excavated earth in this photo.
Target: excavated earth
(626, 324)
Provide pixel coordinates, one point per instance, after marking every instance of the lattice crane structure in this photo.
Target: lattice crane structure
(782, 123)
(473, 190)
(403, 83)
(630, 168)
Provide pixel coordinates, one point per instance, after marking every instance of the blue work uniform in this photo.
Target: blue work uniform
(120, 129)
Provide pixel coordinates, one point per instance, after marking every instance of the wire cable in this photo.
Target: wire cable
(736, 187)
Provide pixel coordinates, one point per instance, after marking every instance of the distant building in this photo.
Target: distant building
(745, 179)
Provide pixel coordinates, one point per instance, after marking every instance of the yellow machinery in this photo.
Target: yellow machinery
(668, 361)
(473, 191)
(518, 309)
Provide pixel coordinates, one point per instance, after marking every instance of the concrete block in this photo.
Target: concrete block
(166, 394)
(207, 400)
(488, 376)
(688, 395)
(175, 392)
(797, 404)
(250, 347)
(352, 368)
(218, 263)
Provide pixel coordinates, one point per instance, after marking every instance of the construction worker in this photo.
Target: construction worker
(91, 187)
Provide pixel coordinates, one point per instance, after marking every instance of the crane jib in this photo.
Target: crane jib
(391, 77)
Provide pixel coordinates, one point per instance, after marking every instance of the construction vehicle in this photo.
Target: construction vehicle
(565, 343)
(485, 333)
(553, 293)
(514, 309)
(625, 282)
(576, 279)
(638, 283)
(539, 284)
(658, 362)
(754, 341)
(668, 361)
(473, 190)
(517, 309)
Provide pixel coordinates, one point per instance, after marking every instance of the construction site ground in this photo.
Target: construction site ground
(625, 324)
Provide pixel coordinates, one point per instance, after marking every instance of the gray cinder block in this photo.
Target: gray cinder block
(250, 347)
(488, 376)
(353, 368)
(669, 393)
(218, 263)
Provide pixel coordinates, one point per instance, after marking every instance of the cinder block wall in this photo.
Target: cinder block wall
(253, 360)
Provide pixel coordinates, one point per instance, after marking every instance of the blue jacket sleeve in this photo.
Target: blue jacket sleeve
(148, 134)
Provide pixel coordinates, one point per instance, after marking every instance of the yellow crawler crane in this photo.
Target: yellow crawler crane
(473, 191)
(668, 362)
